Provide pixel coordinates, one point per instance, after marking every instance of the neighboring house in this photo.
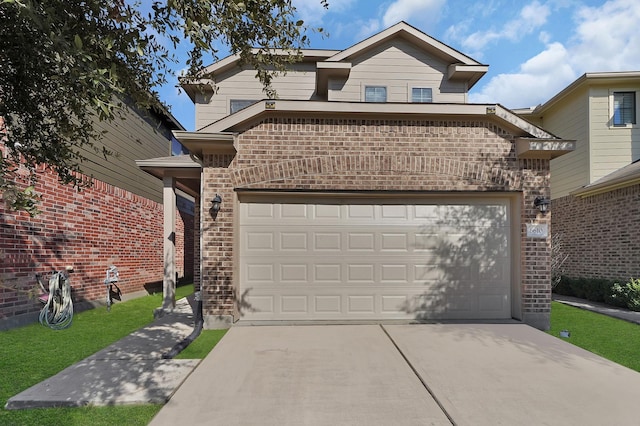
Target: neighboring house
(595, 190)
(117, 221)
(369, 190)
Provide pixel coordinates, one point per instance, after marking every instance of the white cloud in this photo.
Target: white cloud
(424, 12)
(606, 38)
(367, 28)
(547, 72)
(312, 12)
(530, 18)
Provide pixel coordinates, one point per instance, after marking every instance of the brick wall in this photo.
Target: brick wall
(90, 230)
(600, 233)
(311, 154)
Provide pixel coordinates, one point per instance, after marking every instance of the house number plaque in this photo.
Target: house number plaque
(536, 230)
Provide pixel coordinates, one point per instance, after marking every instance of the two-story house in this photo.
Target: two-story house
(595, 189)
(118, 220)
(369, 189)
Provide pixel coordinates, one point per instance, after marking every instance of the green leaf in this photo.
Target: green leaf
(78, 41)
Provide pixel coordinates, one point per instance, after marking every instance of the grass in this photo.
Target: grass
(611, 338)
(31, 354)
(202, 345)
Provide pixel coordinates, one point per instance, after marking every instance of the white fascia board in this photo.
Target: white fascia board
(513, 119)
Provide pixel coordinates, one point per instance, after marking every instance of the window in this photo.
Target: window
(624, 108)
(236, 105)
(177, 148)
(375, 94)
(421, 95)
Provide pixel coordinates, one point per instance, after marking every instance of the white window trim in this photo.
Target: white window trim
(363, 88)
(412, 86)
(624, 126)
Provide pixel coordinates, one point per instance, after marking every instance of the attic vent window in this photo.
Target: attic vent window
(624, 108)
(421, 95)
(236, 105)
(375, 94)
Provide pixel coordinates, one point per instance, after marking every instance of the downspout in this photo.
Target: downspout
(199, 323)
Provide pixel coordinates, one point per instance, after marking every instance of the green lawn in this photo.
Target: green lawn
(611, 338)
(33, 353)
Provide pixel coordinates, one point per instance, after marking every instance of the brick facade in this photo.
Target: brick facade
(90, 230)
(599, 234)
(416, 156)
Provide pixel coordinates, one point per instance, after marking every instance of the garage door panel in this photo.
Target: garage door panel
(295, 304)
(359, 212)
(294, 211)
(361, 273)
(327, 241)
(297, 273)
(394, 242)
(361, 304)
(260, 241)
(327, 273)
(361, 241)
(293, 241)
(262, 305)
(260, 273)
(372, 261)
(331, 305)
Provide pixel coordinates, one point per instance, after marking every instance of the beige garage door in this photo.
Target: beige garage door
(368, 260)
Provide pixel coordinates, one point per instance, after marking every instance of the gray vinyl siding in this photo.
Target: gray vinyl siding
(570, 120)
(130, 139)
(611, 147)
(298, 83)
(399, 66)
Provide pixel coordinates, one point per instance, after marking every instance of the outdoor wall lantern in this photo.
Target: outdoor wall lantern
(215, 205)
(542, 204)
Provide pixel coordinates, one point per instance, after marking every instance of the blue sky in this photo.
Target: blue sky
(533, 48)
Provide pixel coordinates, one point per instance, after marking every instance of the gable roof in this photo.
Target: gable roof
(585, 80)
(192, 87)
(460, 66)
(416, 37)
(337, 62)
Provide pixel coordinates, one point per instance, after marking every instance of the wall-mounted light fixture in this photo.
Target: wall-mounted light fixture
(215, 205)
(542, 204)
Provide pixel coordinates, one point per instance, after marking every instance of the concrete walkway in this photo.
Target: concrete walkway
(131, 371)
(600, 308)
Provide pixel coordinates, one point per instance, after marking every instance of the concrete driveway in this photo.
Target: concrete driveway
(463, 374)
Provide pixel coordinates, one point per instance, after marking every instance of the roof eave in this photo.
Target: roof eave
(589, 191)
(207, 83)
(201, 142)
(584, 79)
(546, 149)
(469, 73)
(186, 174)
(236, 122)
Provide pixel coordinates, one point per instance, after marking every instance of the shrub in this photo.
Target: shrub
(626, 295)
(594, 289)
(563, 286)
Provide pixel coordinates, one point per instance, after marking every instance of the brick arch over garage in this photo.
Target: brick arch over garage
(378, 172)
